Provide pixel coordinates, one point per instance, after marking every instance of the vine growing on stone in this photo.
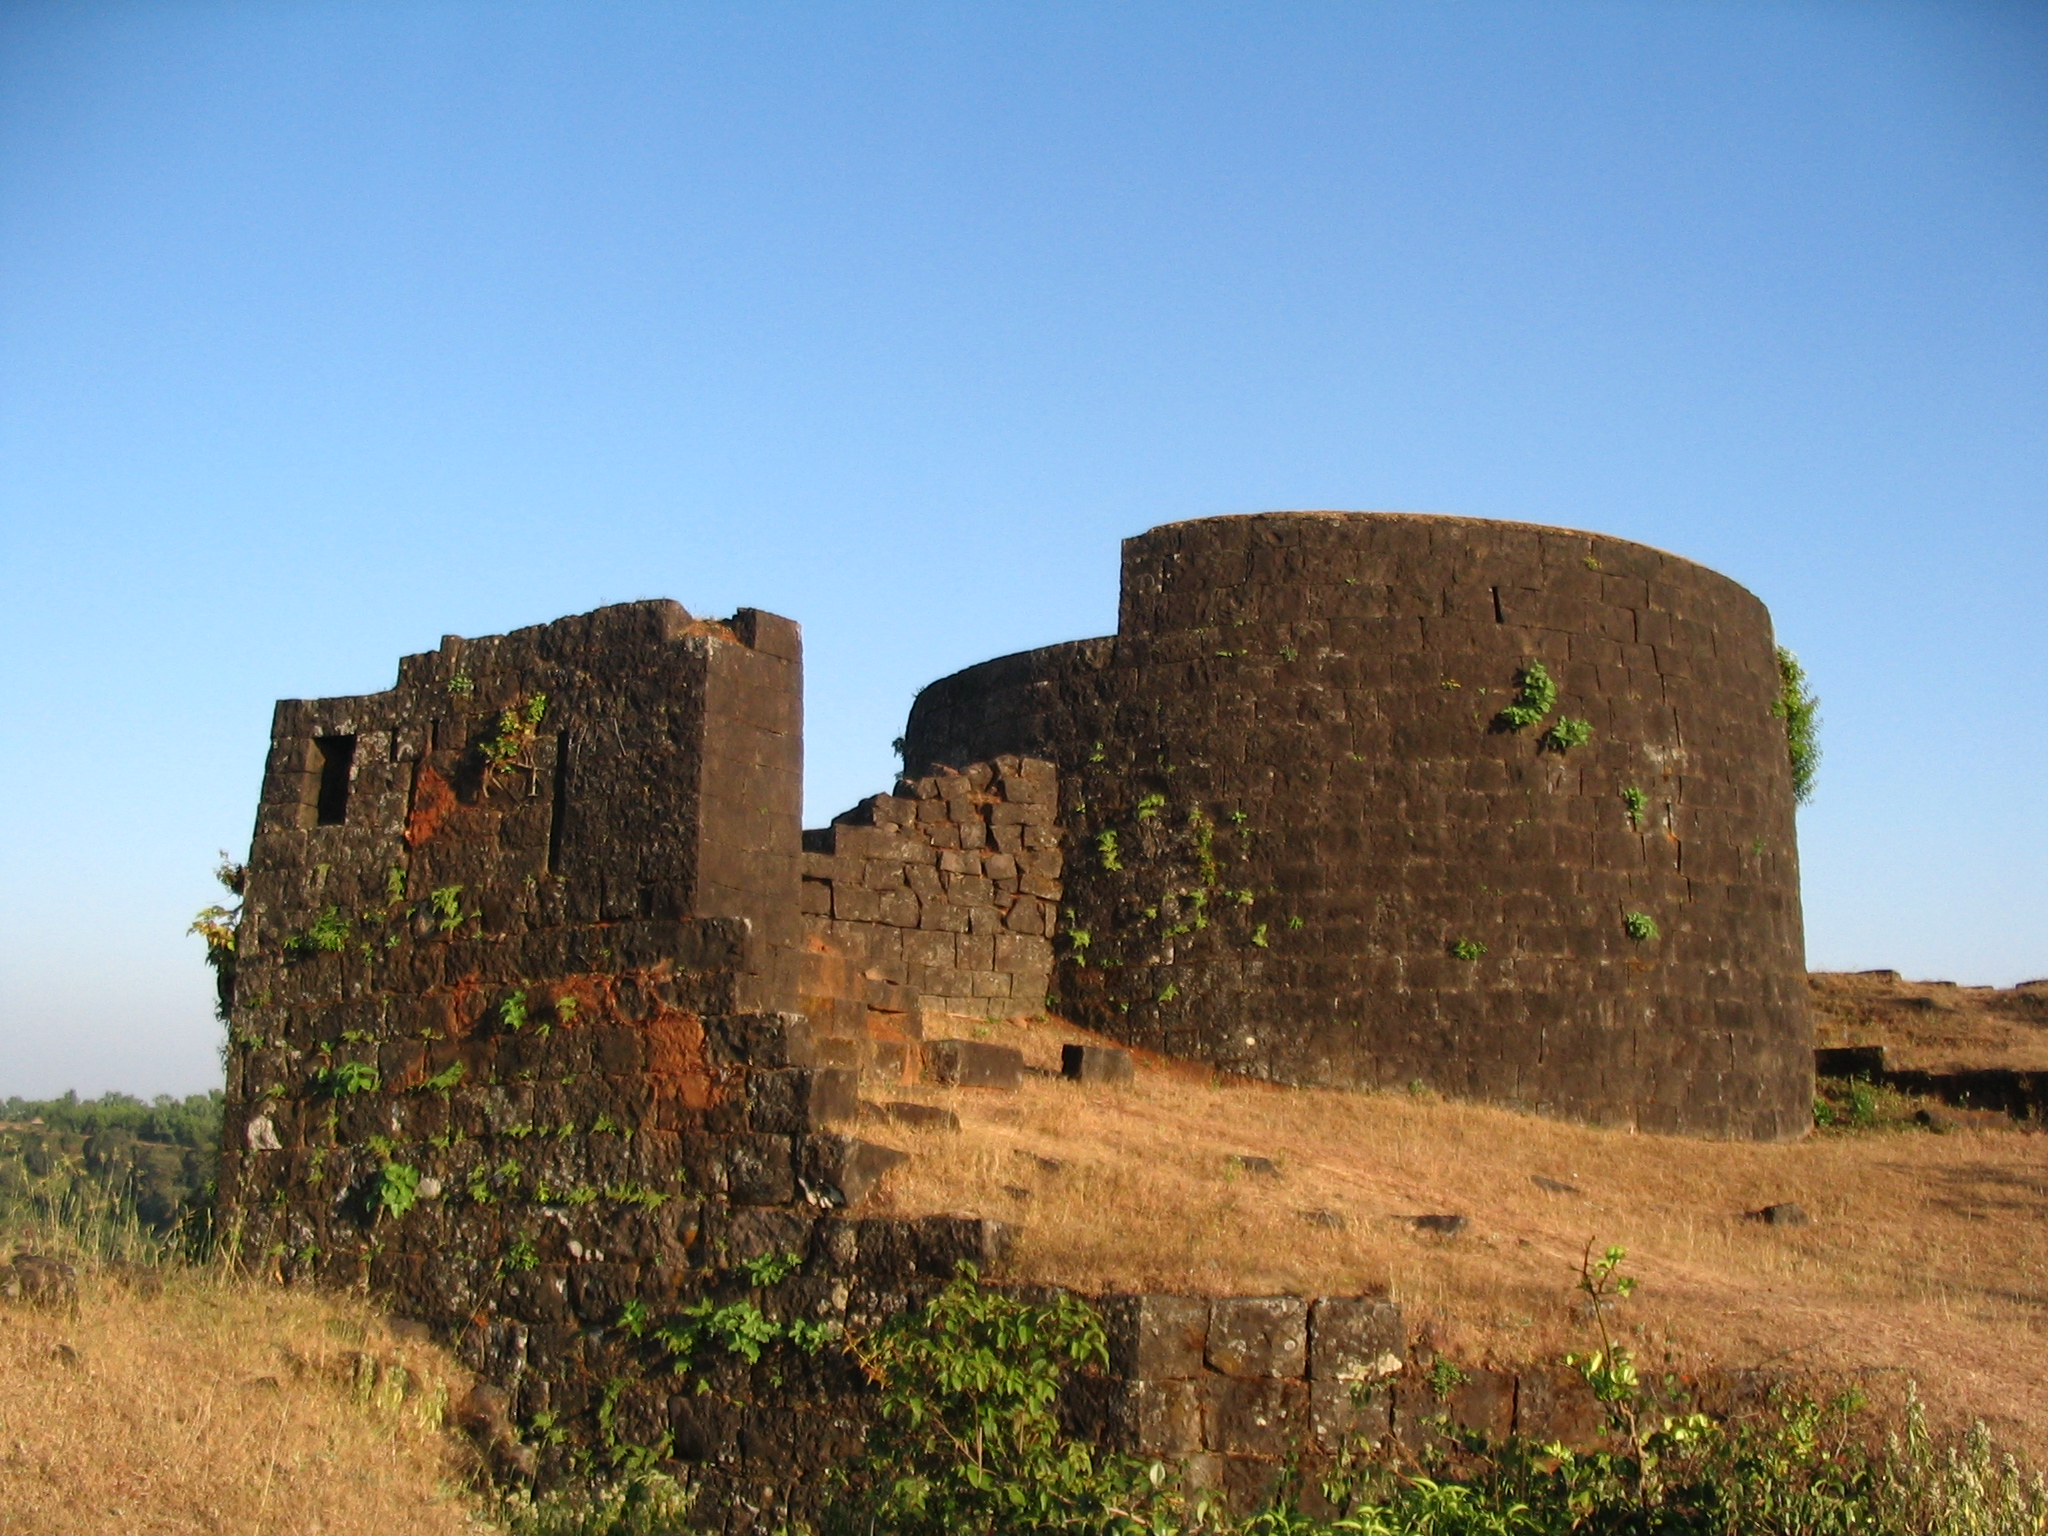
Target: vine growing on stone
(1799, 707)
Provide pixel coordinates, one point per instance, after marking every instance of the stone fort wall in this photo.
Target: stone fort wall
(548, 1018)
(1305, 845)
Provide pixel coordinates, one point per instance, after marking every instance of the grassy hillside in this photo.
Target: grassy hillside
(1927, 1254)
(178, 1400)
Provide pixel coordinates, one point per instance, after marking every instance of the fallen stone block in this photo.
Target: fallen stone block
(1095, 1064)
(914, 1117)
(974, 1064)
(844, 1170)
(38, 1280)
(1788, 1213)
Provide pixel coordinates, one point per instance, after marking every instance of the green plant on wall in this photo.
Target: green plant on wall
(1640, 926)
(1175, 861)
(348, 1078)
(1799, 707)
(218, 925)
(328, 935)
(1567, 733)
(510, 744)
(1535, 697)
(397, 1188)
(1467, 949)
(446, 903)
(1636, 802)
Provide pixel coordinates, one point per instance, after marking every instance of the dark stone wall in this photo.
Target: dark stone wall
(935, 900)
(507, 1047)
(1291, 807)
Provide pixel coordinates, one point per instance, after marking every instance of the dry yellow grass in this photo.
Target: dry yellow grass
(223, 1407)
(1927, 1255)
(1933, 1026)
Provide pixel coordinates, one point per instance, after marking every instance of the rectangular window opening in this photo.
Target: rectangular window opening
(337, 761)
(1498, 616)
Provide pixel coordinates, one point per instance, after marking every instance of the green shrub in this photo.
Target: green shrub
(967, 1435)
(1567, 733)
(1536, 696)
(1799, 708)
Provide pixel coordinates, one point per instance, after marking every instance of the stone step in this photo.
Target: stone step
(973, 1064)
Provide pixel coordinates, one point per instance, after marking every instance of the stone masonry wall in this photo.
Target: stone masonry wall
(517, 1024)
(1304, 844)
(938, 899)
(508, 1043)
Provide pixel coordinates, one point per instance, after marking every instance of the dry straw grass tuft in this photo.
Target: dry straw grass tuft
(1927, 1254)
(217, 1405)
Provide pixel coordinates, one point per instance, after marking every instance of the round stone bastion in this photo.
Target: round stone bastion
(1381, 800)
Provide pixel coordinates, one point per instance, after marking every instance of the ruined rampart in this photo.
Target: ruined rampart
(550, 1025)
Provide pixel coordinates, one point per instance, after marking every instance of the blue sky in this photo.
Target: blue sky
(327, 329)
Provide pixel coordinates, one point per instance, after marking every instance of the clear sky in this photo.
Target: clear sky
(327, 329)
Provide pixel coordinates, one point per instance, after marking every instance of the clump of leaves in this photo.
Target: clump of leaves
(1467, 949)
(349, 1077)
(771, 1268)
(967, 1434)
(397, 1188)
(1106, 846)
(1567, 733)
(639, 1501)
(510, 745)
(446, 903)
(521, 1255)
(1640, 926)
(1535, 698)
(512, 1012)
(1799, 707)
(218, 926)
(328, 935)
(1636, 803)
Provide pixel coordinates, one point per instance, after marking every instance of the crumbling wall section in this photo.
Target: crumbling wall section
(509, 1040)
(939, 899)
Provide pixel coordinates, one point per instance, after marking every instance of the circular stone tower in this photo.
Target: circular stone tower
(1368, 799)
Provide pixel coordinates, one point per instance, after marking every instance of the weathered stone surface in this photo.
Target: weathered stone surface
(1305, 708)
(915, 1117)
(1257, 1415)
(1095, 1064)
(1354, 1338)
(1156, 1338)
(844, 1170)
(1258, 1335)
(974, 1064)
